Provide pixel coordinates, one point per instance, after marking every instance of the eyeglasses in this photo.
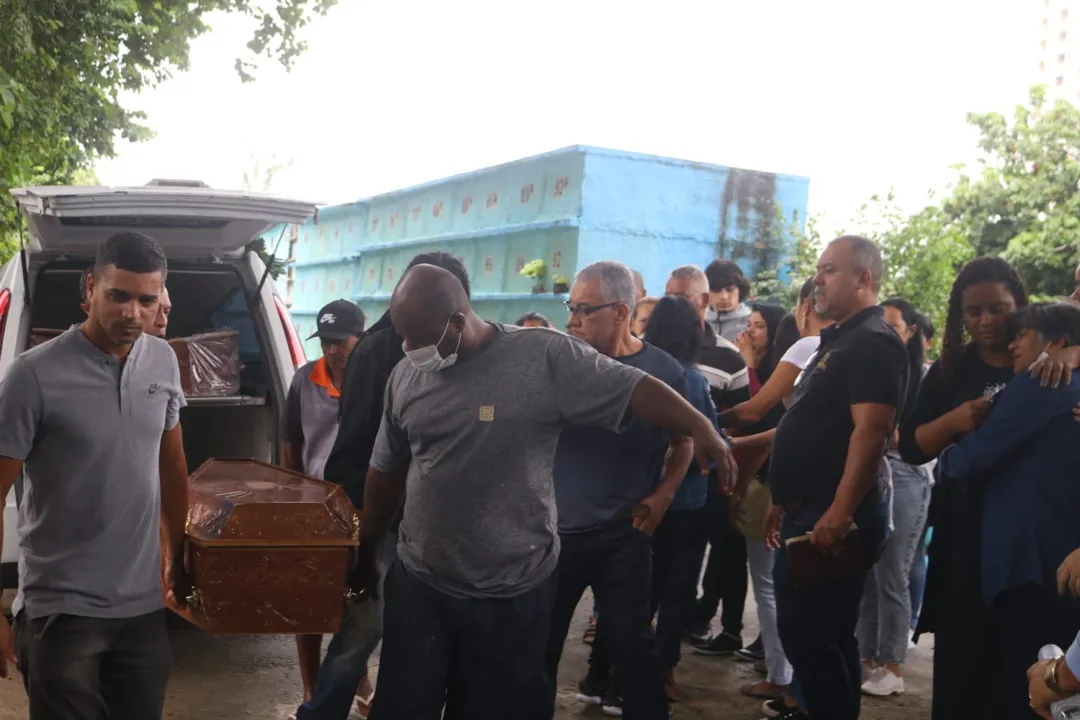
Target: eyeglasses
(586, 310)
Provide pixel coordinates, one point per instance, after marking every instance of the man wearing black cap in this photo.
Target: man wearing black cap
(311, 425)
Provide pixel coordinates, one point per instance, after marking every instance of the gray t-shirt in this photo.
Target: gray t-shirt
(480, 516)
(310, 420)
(89, 434)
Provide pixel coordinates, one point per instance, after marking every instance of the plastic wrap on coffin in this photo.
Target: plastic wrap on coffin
(268, 550)
(209, 363)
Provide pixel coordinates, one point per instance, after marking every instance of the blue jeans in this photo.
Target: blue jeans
(817, 623)
(349, 651)
(885, 614)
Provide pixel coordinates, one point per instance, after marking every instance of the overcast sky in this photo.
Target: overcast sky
(858, 95)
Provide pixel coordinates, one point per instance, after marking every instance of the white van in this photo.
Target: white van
(213, 282)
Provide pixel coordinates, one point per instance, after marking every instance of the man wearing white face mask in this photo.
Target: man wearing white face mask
(361, 410)
(469, 440)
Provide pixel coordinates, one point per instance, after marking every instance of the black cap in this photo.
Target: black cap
(340, 320)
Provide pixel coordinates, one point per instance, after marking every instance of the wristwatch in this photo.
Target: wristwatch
(1050, 677)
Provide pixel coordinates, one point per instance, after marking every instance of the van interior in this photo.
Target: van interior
(204, 298)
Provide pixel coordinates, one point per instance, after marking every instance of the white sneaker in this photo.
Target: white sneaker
(883, 683)
(869, 669)
(911, 640)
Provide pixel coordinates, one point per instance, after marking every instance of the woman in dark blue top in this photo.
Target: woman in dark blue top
(1026, 457)
(679, 542)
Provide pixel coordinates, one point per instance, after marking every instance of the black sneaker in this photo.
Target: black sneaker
(698, 632)
(722, 644)
(792, 713)
(591, 692)
(751, 653)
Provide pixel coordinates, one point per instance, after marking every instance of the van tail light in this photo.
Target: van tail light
(5, 305)
(296, 348)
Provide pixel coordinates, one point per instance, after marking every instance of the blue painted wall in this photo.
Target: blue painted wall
(570, 207)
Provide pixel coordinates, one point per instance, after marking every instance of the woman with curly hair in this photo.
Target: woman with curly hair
(954, 399)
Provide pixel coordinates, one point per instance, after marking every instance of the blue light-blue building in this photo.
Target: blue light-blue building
(569, 207)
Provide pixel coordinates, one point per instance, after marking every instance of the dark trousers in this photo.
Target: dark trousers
(1024, 619)
(817, 622)
(617, 563)
(81, 668)
(478, 657)
(678, 549)
(726, 580)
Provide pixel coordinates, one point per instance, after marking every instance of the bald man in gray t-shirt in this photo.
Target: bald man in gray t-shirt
(472, 420)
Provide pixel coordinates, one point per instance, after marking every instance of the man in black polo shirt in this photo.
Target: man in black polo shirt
(824, 472)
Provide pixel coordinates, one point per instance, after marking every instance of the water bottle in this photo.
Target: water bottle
(1066, 708)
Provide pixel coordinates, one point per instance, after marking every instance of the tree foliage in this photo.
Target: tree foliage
(1021, 202)
(1024, 204)
(65, 63)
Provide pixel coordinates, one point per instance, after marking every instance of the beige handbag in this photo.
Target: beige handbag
(753, 510)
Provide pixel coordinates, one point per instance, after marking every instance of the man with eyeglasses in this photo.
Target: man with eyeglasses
(612, 489)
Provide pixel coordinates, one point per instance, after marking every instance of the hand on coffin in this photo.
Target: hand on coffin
(179, 581)
(365, 578)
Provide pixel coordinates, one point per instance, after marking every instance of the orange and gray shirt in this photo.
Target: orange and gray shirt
(311, 416)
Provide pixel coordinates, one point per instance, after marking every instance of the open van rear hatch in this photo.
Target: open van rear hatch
(187, 220)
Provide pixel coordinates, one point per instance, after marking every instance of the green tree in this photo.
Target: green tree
(804, 246)
(1024, 203)
(65, 63)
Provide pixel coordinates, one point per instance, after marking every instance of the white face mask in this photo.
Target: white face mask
(428, 359)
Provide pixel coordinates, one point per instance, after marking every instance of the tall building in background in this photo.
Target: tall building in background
(1059, 49)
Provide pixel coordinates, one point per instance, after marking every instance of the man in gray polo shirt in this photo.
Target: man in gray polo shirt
(94, 416)
(472, 420)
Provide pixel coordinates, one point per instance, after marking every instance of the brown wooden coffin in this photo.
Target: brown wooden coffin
(269, 551)
(209, 363)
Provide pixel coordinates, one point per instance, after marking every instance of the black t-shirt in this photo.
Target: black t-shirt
(972, 378)
(600, 476)
(860, 361)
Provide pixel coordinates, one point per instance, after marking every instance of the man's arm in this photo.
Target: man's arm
(384, 492)
(384, 486)
(869, 440)
(659, 405)
(383, 496)
(680, 454)
(172, 467)
(22, 408)
(874, 379)
(9, 472)
(361, 411)
(292, 430)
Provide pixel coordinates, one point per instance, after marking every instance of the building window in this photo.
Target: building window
(1065, 13)
(1045, 23)
(1061, 58)
(1062, 35)
(1042, 67)
(1059, 80)
(1042, 45)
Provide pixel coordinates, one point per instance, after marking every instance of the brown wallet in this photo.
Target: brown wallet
(808, 565)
